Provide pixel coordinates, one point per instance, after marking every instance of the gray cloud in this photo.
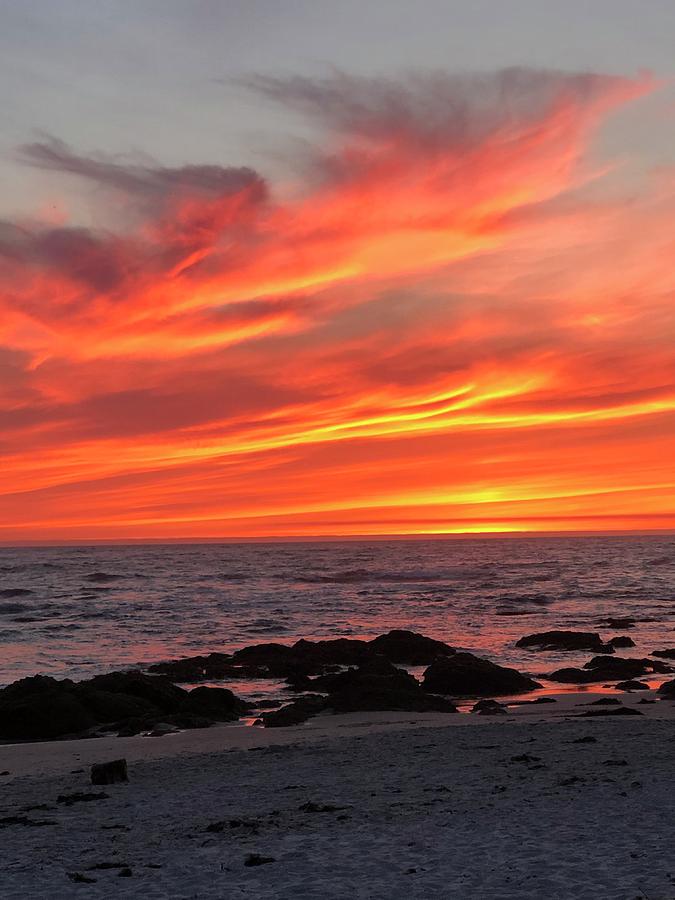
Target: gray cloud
(142, 179)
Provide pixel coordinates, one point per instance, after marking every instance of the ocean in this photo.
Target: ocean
(76, 611)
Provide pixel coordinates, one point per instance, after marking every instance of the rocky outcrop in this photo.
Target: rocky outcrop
(274, 656)
(193, 669)
(303, 659)
(488, 708)
(664, 654)
(113, 772)
(565, 641)
(157, 690)
(294, 713)
(621, 641)
(338, 651)
(667, 689)
(632, 685)
(379, 685)
(409, 648)
(42, 708)
(214, 703)
(603, 668)
(466, 675)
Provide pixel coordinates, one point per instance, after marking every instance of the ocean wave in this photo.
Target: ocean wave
(7, 609)
(660, 561)
(534, 599)
(102, 577)
(358, 576)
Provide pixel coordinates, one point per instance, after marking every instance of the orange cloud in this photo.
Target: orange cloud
(445, 322)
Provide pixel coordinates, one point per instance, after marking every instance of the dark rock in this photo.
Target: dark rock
(620, 623)
(644, 701)
(255, 859)
(564, 641)
(664, 654)
(466, 675)
(543, 700)
(106, 706)
(632, 685)
(214, 703)
(294, 713)
(188, 721)
(569, 675)
(131, 727)
(15, 592)
(380, 696)
(375, 666)
(628, 667)
(488, 708)
(299, 682)
(113, 772)
(606, 701)
(161, 729)
(79, 878)
(125, 872)
(265, 655)
(198, 668)
(156, 689)
(619, 711)
(379, 685)
(588, 739)
(621, 641)
(339, 651)
(603, 668)
(667, 689)
(42, 708)
(409, 647)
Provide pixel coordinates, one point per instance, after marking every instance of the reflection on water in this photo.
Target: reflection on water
(76, 611)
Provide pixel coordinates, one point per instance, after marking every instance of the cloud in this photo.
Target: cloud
(145, 180)
(445, 313)
(444, 110)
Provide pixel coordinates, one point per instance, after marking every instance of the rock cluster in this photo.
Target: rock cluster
(42, 708)
(304, 658)
(566, 641)
(612, 668)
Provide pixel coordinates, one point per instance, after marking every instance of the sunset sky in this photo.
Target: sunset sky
(304, 268)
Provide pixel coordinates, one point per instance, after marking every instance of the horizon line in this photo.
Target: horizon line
(335, 538)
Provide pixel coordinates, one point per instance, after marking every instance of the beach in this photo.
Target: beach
(299, 755)
(535, 803)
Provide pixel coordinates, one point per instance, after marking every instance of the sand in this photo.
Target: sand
(363, 806)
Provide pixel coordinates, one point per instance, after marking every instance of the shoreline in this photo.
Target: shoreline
(21, 759)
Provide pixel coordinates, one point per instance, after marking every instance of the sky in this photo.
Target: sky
(314, 269)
